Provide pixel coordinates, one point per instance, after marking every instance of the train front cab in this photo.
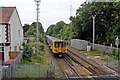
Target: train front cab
(59, 48)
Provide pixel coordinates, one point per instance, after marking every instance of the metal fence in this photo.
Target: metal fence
(103, 48)
(9, 70)
(28, 71)
(34, 71)
(18, 71)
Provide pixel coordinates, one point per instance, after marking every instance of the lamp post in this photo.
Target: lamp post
(117, 44)
(93, 29)
(37, 2)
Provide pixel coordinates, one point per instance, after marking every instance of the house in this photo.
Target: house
(11, 32)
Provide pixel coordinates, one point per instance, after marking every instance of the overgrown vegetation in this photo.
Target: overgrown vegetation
(29, 48)
(32, 32)
(114, 54)
(95, 52)
(29, 54)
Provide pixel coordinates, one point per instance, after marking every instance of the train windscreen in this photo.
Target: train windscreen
(60, 44)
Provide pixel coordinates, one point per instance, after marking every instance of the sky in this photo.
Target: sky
(51, 11)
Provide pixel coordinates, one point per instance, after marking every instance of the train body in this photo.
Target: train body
(57, 46)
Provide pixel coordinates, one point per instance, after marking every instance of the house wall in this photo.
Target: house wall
(2, 34)
(16, 32)
(2, 40)
(6, 51)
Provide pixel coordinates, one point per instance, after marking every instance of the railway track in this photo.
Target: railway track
(81, 72)
(68, 67)
(71, 69)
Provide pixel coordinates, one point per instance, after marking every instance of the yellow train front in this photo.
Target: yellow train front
(57, 46)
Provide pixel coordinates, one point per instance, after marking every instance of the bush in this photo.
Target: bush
(27, 52)
(115, 53)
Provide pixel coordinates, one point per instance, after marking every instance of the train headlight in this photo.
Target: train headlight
(55, 50)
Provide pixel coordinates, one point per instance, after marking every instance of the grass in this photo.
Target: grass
(103, 54)
(95, 52)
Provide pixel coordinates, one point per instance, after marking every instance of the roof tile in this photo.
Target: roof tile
(6, 13)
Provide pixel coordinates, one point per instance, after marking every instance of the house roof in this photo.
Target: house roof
(6, 13)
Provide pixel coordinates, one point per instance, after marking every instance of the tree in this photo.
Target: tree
(32, 31)
(107, 23)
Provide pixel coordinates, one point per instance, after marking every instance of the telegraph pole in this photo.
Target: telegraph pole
(37, 2)
(93, 30)
(70, 5)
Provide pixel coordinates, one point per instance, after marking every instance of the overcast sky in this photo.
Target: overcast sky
(51, 11)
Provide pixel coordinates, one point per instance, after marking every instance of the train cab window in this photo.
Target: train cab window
(60, 44)
(64, 44)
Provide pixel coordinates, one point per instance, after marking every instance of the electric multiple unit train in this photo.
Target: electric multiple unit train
(57, 46)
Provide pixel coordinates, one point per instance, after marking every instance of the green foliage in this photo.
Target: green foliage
(115, 53)
(64, 33)
(27, 52)
(54, 30)
(107, 23)
(96, 52)
(29, 56)
(32, 31)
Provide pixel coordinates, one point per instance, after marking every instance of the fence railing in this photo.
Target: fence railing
(34, 71)
(103, 48)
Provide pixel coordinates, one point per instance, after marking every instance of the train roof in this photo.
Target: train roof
(53, 39)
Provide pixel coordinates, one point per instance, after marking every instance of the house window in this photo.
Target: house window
(1, 49)
(19, 33)
(15, 48)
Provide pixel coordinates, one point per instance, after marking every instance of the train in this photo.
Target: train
(57, 46)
